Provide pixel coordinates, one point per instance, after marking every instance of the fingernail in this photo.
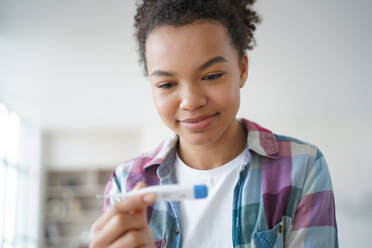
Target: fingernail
(149, 198)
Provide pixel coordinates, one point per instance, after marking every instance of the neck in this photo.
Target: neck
(217, 153)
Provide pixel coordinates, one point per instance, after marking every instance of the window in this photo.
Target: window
(17, 183)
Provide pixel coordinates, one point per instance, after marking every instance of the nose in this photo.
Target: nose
(192, 97)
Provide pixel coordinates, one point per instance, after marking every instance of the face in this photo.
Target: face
(195, 76)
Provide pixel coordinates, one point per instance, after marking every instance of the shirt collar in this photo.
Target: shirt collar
(259, 140)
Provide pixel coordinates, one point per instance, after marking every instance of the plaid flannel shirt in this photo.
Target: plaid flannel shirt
(283, 196)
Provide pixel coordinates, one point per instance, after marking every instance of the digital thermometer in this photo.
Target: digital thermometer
(169, 192)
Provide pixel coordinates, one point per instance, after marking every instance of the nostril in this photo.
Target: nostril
(191, 105)
(192, 102)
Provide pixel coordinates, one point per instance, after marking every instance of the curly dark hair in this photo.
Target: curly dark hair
(236, 15)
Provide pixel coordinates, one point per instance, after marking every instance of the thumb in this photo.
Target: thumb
(148, 198)
(139, 185)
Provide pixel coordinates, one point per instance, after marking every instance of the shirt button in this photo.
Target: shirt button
(280, 229)
(177, 231)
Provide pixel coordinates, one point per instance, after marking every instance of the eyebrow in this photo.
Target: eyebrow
(217, 59)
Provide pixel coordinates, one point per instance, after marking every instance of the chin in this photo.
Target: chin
(199, 139)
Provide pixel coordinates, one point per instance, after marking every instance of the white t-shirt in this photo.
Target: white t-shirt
(208, 222)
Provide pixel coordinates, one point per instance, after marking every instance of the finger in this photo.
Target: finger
(134, 239)
(103, 219)
(117, 226)
(136, 203)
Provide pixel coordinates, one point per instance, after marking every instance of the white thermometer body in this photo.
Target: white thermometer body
(169, 192)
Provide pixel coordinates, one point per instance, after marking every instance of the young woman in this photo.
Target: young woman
(265, 190)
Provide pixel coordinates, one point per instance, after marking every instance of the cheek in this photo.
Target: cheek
(228, 97)
(166, 106)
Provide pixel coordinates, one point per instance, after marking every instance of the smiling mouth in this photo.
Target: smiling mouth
(198, 123)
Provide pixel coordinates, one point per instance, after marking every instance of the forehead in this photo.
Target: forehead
(188, 45)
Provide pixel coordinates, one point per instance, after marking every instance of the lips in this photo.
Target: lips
(198, 123)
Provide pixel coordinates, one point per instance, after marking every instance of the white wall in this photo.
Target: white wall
(89, 149)
(309, 79)
(73, 64)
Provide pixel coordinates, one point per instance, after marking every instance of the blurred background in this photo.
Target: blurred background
(74, 103)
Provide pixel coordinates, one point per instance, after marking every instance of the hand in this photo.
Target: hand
(125, 224)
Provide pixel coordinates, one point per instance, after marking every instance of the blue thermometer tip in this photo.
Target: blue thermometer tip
(200, 191)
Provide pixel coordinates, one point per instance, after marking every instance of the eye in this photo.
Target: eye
(212, 76)
(166, 85)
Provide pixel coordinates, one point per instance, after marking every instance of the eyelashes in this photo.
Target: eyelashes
(212, 76)
(209, 77)
(166, 85)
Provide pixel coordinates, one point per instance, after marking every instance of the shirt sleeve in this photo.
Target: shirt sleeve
(315, 222)
(112, 187)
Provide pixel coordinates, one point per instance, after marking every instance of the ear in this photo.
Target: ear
(243, 70)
